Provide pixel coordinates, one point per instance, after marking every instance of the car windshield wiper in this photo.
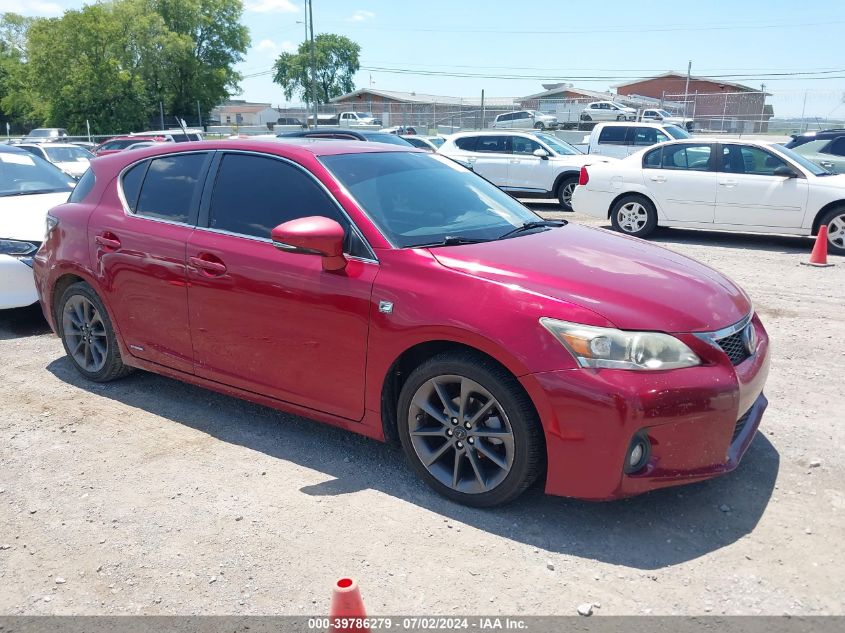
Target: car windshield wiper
(452, 240)
(528, 226)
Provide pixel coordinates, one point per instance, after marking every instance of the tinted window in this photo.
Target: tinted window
(383, 137)
(648, 136)
(837, 147)
(691, 157)
(119, 144)
(277, 192)
(498, 144)
(743, 159)
(131, 184)
(170, 187)
(613, 134)
(505, 117)
(522, 115)
(652, 160)
(33, 150)
(83, 187)
(524, 145)
(677, 133)
(467, 143)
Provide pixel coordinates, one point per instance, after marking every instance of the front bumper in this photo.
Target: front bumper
(689, 415)
(17, 284)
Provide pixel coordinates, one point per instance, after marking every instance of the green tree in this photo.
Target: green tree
(336, 60)
(15, 102)
(197, 62)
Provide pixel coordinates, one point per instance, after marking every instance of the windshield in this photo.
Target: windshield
(810, 166)
(67, 154)
(560, 147)
(118, 144)
(383, 137)
(676, 133)
(365, 115)
(663, 113)
(417, 199)
(22, 174)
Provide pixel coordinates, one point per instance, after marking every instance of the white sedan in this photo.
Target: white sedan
(718, 185)
(29, 187)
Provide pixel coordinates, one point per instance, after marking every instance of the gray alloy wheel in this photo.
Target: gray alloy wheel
(461, 434)
(469, 430)
(836, 231)
(539, 125)
(565, 191)
(85, 334)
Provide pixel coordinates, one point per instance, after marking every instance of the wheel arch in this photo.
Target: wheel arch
(410, 359)
(817, 221)
(638, 194)
(564, 175)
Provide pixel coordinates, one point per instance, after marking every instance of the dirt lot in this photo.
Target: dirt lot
(150, 496)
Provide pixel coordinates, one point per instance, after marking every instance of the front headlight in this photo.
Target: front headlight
(619, 349)
(17, 248)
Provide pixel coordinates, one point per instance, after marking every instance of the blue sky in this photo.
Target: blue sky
(537, 42)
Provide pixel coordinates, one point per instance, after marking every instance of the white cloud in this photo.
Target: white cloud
(289, 47)
(31, 7)
(272, 6)
(362, 16)
(266, 45)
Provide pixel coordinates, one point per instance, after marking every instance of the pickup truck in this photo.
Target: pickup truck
(623, 139)
(351, 119)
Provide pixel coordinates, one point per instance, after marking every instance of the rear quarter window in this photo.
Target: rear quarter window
(467, 143)
(83, 187)
(131, 183)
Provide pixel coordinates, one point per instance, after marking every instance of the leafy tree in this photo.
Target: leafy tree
(14, 94)
(197, 62)
(336, 60)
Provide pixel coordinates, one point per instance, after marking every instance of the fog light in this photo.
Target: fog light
(638, 453)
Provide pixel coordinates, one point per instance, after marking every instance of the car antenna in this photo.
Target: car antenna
(181, 125)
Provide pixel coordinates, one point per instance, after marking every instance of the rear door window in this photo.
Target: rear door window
(170, 190)
(645, 136)
(837, 148)
(466, 143)
(613, 135)
(493, 144)
(744, 159)
(688, 157)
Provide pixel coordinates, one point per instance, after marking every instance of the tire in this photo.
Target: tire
(87, 334)
(621, 117)
(835, 221)
(586, 117)
(539, 125)
(633, 215)
(484, 470)
(564, 192)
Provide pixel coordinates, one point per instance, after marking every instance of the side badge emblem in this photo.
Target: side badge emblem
(385, 307)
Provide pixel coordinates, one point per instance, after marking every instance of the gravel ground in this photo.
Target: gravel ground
(154, 497)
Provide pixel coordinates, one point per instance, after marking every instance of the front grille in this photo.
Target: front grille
(734, 347)
(740, 424)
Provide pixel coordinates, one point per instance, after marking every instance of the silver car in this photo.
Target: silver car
(526, 119)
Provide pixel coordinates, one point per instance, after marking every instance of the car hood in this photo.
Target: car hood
(631, 283)
(74, 167)
(22, 217)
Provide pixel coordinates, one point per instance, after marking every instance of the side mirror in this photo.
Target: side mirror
(314, 235)
(785, 172)
(541, 153)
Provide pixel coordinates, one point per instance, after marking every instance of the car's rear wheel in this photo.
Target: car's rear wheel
(565, 190)
(620, 117)
(634, 215)
(539, 125)
(586, 117)
(469, 430)
(835, 221)
(87, 334)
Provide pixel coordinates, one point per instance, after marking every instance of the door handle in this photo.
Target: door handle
(728, 183)
(658, 178)
(208, 264)
(514, 161)
(470, 159)
(108, 240)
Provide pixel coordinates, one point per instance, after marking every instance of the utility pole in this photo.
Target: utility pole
(161, 113)
(482, 109)
(307, 75)
(199, 115)
(803, 110)
(686, 87)
(313, 60)
(763, 105)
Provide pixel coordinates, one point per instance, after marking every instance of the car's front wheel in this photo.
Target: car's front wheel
(634, 215)
(469, 430)
(835, 221)
(620, 117)
(87, 334)
(565, 190)
(539, 125)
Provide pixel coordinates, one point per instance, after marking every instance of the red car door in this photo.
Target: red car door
(269, 321)
(138, 248)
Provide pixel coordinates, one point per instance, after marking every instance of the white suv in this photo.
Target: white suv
(524, 164)
(526, 119)
(607, 111)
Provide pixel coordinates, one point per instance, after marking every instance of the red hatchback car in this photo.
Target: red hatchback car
(396, 294)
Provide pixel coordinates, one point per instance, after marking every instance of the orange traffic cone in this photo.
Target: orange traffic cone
(819, 255)
(347, 614)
